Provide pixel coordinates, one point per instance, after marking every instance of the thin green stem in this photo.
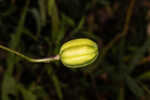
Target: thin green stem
(46, 60)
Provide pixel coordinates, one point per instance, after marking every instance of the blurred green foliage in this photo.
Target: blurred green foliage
(38, 28)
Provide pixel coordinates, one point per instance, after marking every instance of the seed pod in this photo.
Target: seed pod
(78, 53)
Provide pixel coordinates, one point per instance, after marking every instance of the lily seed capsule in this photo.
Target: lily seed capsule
(78, 53)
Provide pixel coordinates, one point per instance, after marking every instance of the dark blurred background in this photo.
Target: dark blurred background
(38, 28)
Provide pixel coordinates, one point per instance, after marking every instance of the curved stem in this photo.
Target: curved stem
(46, 60)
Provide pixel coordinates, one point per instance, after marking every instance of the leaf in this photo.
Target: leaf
(57, 86)
(66, 20)
(43, 13)
(29, 34)
(104, 2)
(39, 91)
(145, 87)
(121, 94)
(36, 16)
(144, 76)
(55, 82)
(8, 84)
(65, 23)
(8, 12)
(80, 25)
(8, 87)
(139, 53)
(53, 13)
(27, 94)
(15, 39)
(134, 87)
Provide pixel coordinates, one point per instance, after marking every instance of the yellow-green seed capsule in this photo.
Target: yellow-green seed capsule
(78, 53)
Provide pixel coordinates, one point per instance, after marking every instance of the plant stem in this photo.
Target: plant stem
(46, 60)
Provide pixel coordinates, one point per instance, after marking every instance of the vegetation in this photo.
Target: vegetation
(38, 28)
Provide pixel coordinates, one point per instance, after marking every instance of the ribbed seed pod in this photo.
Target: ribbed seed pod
(78, 53)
